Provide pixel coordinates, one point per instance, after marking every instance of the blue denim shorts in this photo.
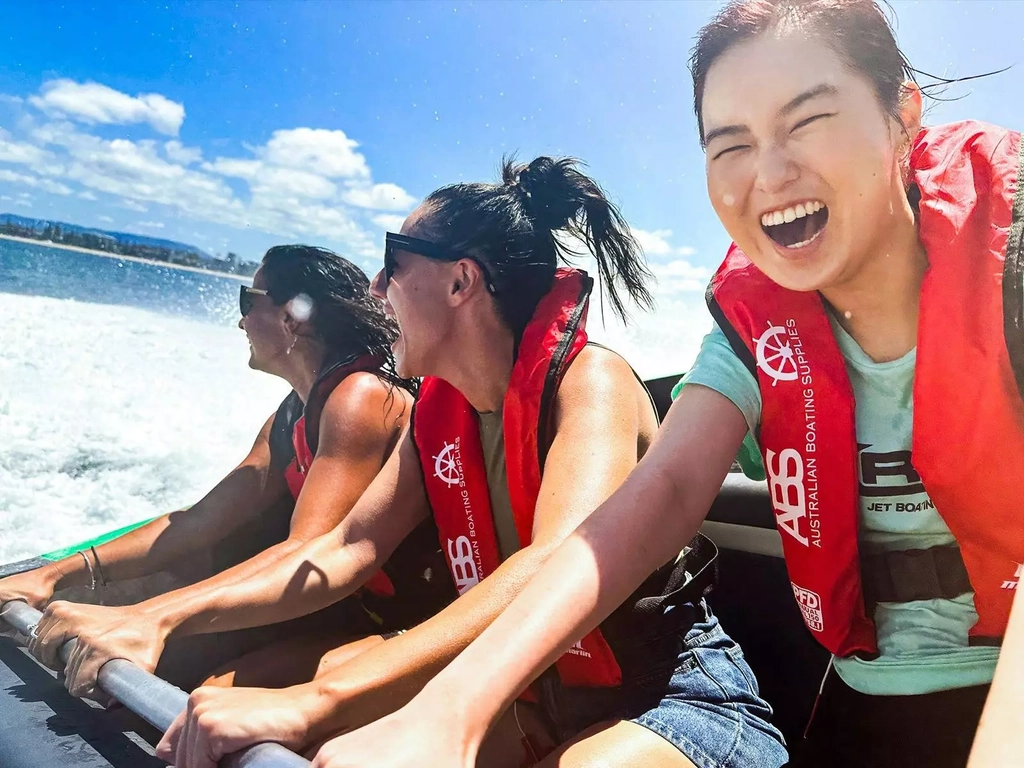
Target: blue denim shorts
(694, 689)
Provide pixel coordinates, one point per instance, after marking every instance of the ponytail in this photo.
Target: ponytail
(519, 228)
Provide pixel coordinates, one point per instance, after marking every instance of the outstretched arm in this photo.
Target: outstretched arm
(357, 432)
(297, 577)
(655, 512)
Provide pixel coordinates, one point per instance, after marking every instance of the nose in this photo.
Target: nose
(775, 169)
(379, 287)
(241, 323)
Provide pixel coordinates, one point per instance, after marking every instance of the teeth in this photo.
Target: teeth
(808, 241)
(786, 215)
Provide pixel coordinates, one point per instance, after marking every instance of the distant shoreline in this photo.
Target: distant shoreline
(120, 257)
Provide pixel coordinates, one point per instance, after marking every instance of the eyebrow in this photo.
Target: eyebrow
(823, 89)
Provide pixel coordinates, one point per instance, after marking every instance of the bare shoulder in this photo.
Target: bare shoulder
(365, 401)
(598, 376)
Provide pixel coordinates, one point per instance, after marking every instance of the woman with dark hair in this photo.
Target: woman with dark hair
(309, 320)
(870, 338)
(522, 428)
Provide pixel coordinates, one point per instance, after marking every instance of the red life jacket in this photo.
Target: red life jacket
(447, 437)
(968, 429)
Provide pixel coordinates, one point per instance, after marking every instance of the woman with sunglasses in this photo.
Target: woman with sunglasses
(309, 319)
(522, 428)
(870, 338)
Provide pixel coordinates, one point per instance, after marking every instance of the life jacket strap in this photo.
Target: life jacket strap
(903, 576)
(282, 450)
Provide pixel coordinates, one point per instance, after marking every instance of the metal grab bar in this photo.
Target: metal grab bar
(154, 700)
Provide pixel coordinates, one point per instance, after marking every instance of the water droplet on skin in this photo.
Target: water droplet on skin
(728, 199)
(847, 314)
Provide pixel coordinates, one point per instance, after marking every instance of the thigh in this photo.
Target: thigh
(612, 745)
(291, 662)
(711, 710)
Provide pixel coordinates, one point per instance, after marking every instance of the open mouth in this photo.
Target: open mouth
(797, 225)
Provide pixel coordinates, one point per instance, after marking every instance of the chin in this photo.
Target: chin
(802, 282)
(404, 370)
(803, 277)
(407, 366)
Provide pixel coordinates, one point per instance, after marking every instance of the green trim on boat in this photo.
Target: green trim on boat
(103, 538)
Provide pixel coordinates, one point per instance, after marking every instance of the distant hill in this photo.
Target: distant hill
(40, 225)
(121, 243)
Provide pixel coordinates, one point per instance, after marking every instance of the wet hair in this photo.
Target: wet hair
(518, 228)
(858, 30)
(344, 315)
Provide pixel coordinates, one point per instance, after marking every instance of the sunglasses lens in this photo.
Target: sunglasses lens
(244, 301)
(389, 263)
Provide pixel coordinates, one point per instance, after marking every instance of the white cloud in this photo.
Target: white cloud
(679, 276)
(654, 243)
(288, 181)
(46, 185)
(317, 150)
(381, 197)
(178, 153)
(21, 152)
(658, 243)
(682, 269)
(228, 166)
(303, 183)
(105, 219)
(389, 221)
(150, 224)
(95, 103)
(135, 172)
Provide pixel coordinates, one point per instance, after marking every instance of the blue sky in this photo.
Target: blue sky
(234, 126)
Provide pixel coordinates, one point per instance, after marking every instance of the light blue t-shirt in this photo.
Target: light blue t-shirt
(923, 645)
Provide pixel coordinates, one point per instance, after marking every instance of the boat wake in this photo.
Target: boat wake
(113, 414)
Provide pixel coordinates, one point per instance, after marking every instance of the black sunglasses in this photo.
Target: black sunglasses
(435, 251)
(245, 294)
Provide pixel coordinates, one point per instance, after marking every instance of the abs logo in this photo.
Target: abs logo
(810, 607)
(460, 554)
(774, 355)
(1012, 583)
(786, 486)
(445, 467)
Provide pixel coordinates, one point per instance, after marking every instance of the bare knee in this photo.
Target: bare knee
(609, 745)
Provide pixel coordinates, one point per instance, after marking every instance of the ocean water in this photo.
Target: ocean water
(124, 393)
